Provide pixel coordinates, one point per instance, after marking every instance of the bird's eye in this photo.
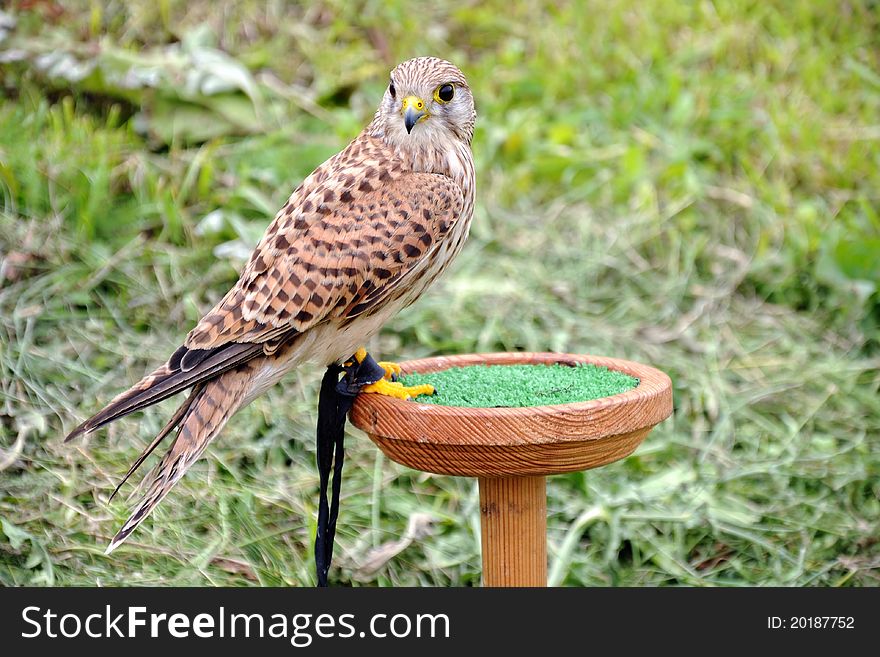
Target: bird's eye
(445, 93)
(392, 90)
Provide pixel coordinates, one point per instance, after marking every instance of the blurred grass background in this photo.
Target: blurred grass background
(691, 185)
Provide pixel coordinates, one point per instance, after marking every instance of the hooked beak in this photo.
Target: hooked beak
(413, 110)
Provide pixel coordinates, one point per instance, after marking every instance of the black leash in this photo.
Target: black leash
(334, 402)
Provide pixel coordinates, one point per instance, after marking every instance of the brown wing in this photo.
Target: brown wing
(334, 252)
(336, 258)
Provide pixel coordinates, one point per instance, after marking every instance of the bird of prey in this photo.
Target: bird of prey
(361, 238)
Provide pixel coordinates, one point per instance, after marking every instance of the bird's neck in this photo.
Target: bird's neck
(430, 152)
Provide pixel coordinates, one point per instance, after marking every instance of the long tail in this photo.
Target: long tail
(186, 368)
(200, 419)
(219, 378)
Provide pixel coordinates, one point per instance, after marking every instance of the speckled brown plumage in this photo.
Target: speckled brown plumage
(359, 239)
(336, 249)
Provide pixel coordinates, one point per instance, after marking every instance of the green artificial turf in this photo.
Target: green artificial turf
(493, 386)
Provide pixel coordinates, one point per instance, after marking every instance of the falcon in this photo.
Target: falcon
(361, 238)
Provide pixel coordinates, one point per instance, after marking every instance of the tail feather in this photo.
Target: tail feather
(201, 418)
(168, 428)
(166, 381)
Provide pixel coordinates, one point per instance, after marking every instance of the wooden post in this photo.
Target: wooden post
(512, 450)
(513, 519)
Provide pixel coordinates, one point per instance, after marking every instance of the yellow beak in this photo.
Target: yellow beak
(413, 110)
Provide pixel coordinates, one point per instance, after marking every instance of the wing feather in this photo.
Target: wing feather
(354, 239)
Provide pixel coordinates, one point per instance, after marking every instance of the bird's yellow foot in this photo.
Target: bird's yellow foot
(360, 355)
(395, 389)
(389, 385)
(392, 370)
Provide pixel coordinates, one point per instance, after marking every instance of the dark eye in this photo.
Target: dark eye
(446, 92)
(392, 90)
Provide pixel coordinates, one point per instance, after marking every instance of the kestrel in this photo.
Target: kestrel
(361, 238)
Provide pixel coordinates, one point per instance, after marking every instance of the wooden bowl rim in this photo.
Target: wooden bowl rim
(649, 377)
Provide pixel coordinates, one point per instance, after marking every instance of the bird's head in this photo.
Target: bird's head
(427, 102)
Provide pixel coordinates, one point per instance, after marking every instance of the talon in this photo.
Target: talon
(392, 370)
(398, 390)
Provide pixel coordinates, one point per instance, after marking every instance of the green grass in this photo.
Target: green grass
(516, 386)
(689, 185)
